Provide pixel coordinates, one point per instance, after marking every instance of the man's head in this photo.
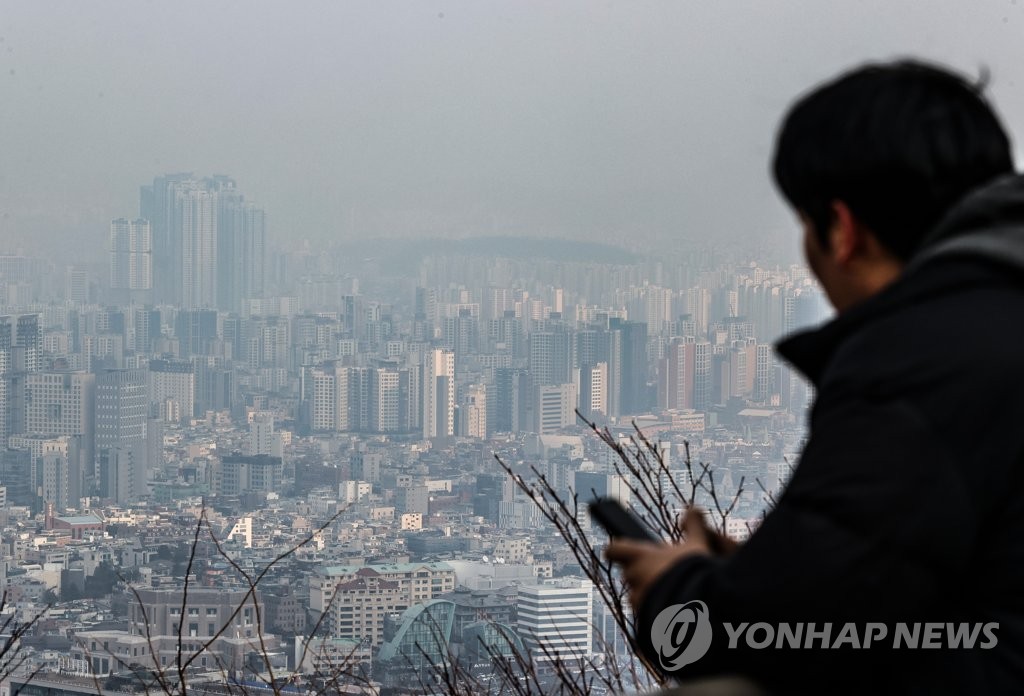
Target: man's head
(872, 160)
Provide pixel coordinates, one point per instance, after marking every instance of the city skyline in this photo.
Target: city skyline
(322, 325)
(570, 122)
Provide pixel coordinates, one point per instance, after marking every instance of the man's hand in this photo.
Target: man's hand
(644, 562)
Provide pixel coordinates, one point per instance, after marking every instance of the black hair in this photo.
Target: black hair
(900, 143)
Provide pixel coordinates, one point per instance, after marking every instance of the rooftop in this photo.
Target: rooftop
(384, 568)
(81, 519)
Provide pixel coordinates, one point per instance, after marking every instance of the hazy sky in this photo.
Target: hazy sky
(635, 120)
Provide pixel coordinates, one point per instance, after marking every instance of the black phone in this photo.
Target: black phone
(618, 521)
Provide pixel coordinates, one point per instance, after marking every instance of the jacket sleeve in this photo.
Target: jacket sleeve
(875, 526)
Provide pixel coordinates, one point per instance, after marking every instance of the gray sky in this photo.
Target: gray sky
(615, 120)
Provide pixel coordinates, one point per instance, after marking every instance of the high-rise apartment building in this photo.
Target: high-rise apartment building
(473, 412)
(155, 204)
(740, 371)
(209, 244)
(196, 331)
(21, 347)
(194, 222)
(241, 250)
(684, 379)
(266, 342)
(131, 260)
(215, 385)
(764, 373)
(410, 401)
(172, 389)
(385, 392)
(325, 406)
(146, 330)
(262, 438)
(339, 398)
(439, 394)
(77, 286)
(358, 598)
(425, 308)
(359, 402)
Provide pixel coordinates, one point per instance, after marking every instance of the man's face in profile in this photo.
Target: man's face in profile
(853, 265)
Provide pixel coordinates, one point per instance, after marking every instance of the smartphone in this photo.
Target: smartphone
(619, 522)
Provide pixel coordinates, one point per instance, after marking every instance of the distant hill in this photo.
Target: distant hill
(410, 251)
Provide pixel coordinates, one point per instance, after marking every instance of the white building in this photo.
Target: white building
(556, 407)
(384, 400)
(354, 491)
(325, 398)
(555, 619)
(262, 437)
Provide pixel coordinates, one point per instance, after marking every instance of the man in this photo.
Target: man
(907, 505)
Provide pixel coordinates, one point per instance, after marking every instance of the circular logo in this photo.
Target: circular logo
(681, 634)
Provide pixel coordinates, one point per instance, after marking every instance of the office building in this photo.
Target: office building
(551, 358)
(555, 408)
(240, 474)
(55, 475)
(122, 408)
(627, 367)
(62, 403)
(555, 619)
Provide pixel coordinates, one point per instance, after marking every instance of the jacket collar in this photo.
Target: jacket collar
(982, 233)
(811, 350)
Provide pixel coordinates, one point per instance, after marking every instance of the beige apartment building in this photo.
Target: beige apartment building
(357, 598)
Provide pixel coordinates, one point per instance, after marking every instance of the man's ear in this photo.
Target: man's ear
(845, 234)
